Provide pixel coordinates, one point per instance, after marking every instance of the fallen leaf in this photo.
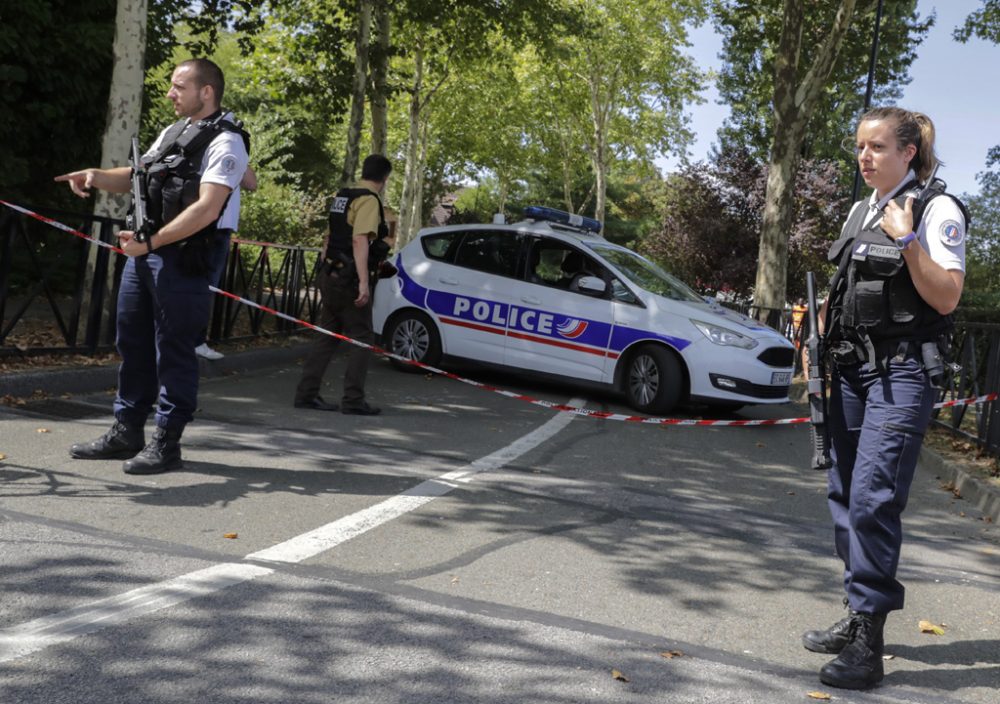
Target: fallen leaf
(928, 627)
(819, 695)
(760, 444)
(2, 457)
(790, 493)
(619, 676)
(454, 579)
(231, 536)
(42, 430)
(887, 656)
(671, 654)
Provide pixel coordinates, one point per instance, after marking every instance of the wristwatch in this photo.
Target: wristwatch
(904, 241)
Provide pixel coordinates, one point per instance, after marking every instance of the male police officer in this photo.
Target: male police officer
(358, 241)
(163, 302)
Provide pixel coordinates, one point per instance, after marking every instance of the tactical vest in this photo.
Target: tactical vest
(174, 170)
(872, 296)
(341, 242)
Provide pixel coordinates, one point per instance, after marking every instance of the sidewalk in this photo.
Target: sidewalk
(978, 493)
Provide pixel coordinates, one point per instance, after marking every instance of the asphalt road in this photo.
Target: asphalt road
(462, 547)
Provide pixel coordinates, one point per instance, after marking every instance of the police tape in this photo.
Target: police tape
(601, 415)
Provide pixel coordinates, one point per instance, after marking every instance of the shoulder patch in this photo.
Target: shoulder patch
(951, 233)
(229, 164)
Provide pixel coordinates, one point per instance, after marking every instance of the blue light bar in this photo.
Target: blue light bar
(540, 212)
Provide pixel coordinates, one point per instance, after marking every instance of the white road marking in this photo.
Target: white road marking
(49, 630)
(25, 639)
(343, 529)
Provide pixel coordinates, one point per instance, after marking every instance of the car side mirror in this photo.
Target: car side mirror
(591, 285)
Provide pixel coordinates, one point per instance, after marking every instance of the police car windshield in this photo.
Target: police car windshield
(645, 274)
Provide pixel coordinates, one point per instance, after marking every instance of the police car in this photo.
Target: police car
(550, 295)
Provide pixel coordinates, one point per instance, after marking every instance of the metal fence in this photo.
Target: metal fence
(58, 293)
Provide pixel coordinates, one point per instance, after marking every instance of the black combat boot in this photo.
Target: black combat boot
(120, 443)
(161, 454)
(859, 664)
(833, 639)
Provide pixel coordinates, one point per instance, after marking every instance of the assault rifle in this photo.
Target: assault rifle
(816, 375)
(137, 220)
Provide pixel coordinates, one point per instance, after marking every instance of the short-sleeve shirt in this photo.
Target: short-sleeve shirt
(941, 231)
(224, 163)
(363, 215)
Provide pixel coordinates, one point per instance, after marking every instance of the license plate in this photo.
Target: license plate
(781, 378)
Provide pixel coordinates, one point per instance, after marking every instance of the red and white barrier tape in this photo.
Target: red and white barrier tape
(602, 415)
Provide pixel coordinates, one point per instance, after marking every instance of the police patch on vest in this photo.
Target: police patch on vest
(884, 252)
(951, 233)
(339, 204)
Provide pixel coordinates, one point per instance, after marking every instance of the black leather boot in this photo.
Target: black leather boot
(161, 454)
(859, 665)
(120, 443)
(833, 639)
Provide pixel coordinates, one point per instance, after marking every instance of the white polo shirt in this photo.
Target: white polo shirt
(224, 162)
(941, 231)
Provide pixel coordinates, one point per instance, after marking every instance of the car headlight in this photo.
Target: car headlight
(724, 336)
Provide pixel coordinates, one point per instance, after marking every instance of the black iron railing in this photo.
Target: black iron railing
(58, 292)
(976, 349)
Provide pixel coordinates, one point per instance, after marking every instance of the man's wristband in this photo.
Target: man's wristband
(904, 241)
(149, 244)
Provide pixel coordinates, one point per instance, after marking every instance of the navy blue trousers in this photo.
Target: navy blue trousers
(162, 316)
(877, 422)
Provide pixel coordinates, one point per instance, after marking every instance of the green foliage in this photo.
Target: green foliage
(281, 213)
(984, 23)
(712, 215)
(751, 29)
(982, 248)
(55, 68)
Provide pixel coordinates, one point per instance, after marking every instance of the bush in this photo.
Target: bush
(280, 213)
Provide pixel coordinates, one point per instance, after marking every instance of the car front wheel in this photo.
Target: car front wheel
(653, 380)
(413, 335)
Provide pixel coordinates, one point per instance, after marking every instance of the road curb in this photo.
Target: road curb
(89, 379)
(980, 494)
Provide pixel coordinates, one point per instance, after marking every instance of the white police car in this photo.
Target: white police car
(550, 295)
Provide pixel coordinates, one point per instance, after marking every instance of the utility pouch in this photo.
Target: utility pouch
(844, 353)
(196, 254)
(871, 303)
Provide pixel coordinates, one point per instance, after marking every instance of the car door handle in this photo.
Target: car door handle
(449, 282)
(530, 300)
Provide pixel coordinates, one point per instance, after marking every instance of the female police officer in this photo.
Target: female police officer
(901, 262)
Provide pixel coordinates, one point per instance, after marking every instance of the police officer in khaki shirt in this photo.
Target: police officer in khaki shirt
(357, 218)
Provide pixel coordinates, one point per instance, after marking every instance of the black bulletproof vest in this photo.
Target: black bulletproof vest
(872, 295)
(341, 233)
(174, 169)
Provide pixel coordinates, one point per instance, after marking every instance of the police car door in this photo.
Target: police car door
(555, 326)
(472, 295)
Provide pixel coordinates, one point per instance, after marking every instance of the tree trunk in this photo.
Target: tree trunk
(358, 93)
(125, 99)
(121, 124)
(412, 172)
(599, 147)
(793, 103)
(417, 219)
(380, 76)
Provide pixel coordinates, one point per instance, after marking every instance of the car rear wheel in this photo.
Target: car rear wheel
(413, 335)
(653, 380)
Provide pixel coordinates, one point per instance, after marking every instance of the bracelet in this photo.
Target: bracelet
(904, 241)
